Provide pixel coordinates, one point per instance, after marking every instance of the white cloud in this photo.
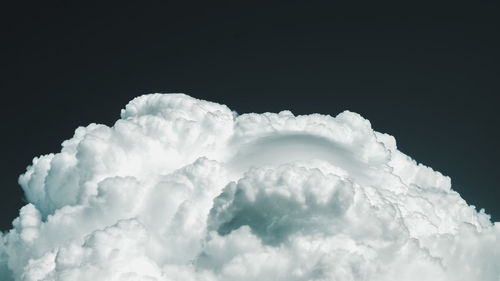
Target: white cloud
(184, 189)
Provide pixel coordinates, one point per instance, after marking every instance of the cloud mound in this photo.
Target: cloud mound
(185, 189)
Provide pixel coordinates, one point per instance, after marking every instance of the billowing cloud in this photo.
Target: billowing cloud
(185, 189)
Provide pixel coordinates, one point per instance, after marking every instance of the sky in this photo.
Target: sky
(426, 74)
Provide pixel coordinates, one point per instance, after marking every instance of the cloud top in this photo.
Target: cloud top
(185, 189)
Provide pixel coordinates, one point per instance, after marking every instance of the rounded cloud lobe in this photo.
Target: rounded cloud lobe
(185, 189)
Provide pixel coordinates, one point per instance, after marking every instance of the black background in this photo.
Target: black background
(425, 73)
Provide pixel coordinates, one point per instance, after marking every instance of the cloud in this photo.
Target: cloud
(185, 189)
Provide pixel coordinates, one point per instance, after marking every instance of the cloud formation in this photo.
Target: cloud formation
(185, 189)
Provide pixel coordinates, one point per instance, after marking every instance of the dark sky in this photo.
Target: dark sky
(427, 74)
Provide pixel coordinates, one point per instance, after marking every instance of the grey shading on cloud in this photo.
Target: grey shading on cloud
(184, 189)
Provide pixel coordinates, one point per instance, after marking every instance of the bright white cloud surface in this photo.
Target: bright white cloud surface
(185, 189)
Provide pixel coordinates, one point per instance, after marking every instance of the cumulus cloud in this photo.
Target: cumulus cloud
(185, 189)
